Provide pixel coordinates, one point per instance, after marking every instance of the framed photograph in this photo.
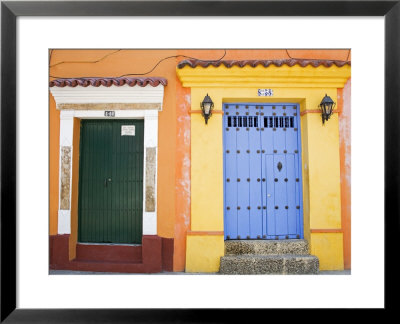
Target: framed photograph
(103, 103)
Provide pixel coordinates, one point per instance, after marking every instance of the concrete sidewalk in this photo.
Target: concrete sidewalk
(68, 272)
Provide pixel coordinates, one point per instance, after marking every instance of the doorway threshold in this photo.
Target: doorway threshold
(118, 244)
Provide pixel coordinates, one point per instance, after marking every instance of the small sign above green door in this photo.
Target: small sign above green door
(128, 130)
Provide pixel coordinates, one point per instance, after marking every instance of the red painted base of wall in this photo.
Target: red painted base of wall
(168, 254)
(154, 255)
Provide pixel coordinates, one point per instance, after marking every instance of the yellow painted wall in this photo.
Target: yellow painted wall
(320, 151)
(206, 167)
(324, 172)
(321, 162)
(329, 249)
(203, 252)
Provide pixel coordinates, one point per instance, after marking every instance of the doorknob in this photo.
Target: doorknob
(106, 181)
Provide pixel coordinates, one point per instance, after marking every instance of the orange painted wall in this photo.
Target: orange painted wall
(54, 141)
(75, 189)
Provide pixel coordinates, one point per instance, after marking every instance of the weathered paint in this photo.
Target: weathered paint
(65, 177)
(345, 169)
(150, 179)
(182, 176)
(203, 252)
(329, 249)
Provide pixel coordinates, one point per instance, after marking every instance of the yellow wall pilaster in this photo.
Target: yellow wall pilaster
(206, 166)
(321, 181)
(322, 163)
(203, 252)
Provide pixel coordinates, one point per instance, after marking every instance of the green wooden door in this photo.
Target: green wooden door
(111, 181)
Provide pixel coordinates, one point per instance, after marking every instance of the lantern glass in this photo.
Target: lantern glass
(207, 107)
(327, 108)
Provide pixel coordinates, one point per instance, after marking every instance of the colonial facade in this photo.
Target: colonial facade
(141, 181)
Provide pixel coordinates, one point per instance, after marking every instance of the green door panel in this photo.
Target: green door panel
(110, 182)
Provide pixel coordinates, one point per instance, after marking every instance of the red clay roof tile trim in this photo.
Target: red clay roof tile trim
(253, 63)
(108, 82)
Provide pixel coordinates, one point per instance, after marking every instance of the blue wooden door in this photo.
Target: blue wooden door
(262, 174)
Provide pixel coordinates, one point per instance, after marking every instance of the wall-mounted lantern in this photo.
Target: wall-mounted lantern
(207, 106)
(326, 105)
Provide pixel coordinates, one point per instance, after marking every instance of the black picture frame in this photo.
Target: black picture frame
(10, 10)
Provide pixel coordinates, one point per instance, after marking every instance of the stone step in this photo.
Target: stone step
(266, 247)
(269, 264)
(109, 252)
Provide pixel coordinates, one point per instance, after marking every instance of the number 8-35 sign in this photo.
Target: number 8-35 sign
(265, 92)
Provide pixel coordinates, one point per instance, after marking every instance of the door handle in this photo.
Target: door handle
(106, 181)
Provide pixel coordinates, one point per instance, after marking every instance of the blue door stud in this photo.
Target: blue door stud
(262, 171)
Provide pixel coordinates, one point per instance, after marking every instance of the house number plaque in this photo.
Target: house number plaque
(109, 113)
(265, 92)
